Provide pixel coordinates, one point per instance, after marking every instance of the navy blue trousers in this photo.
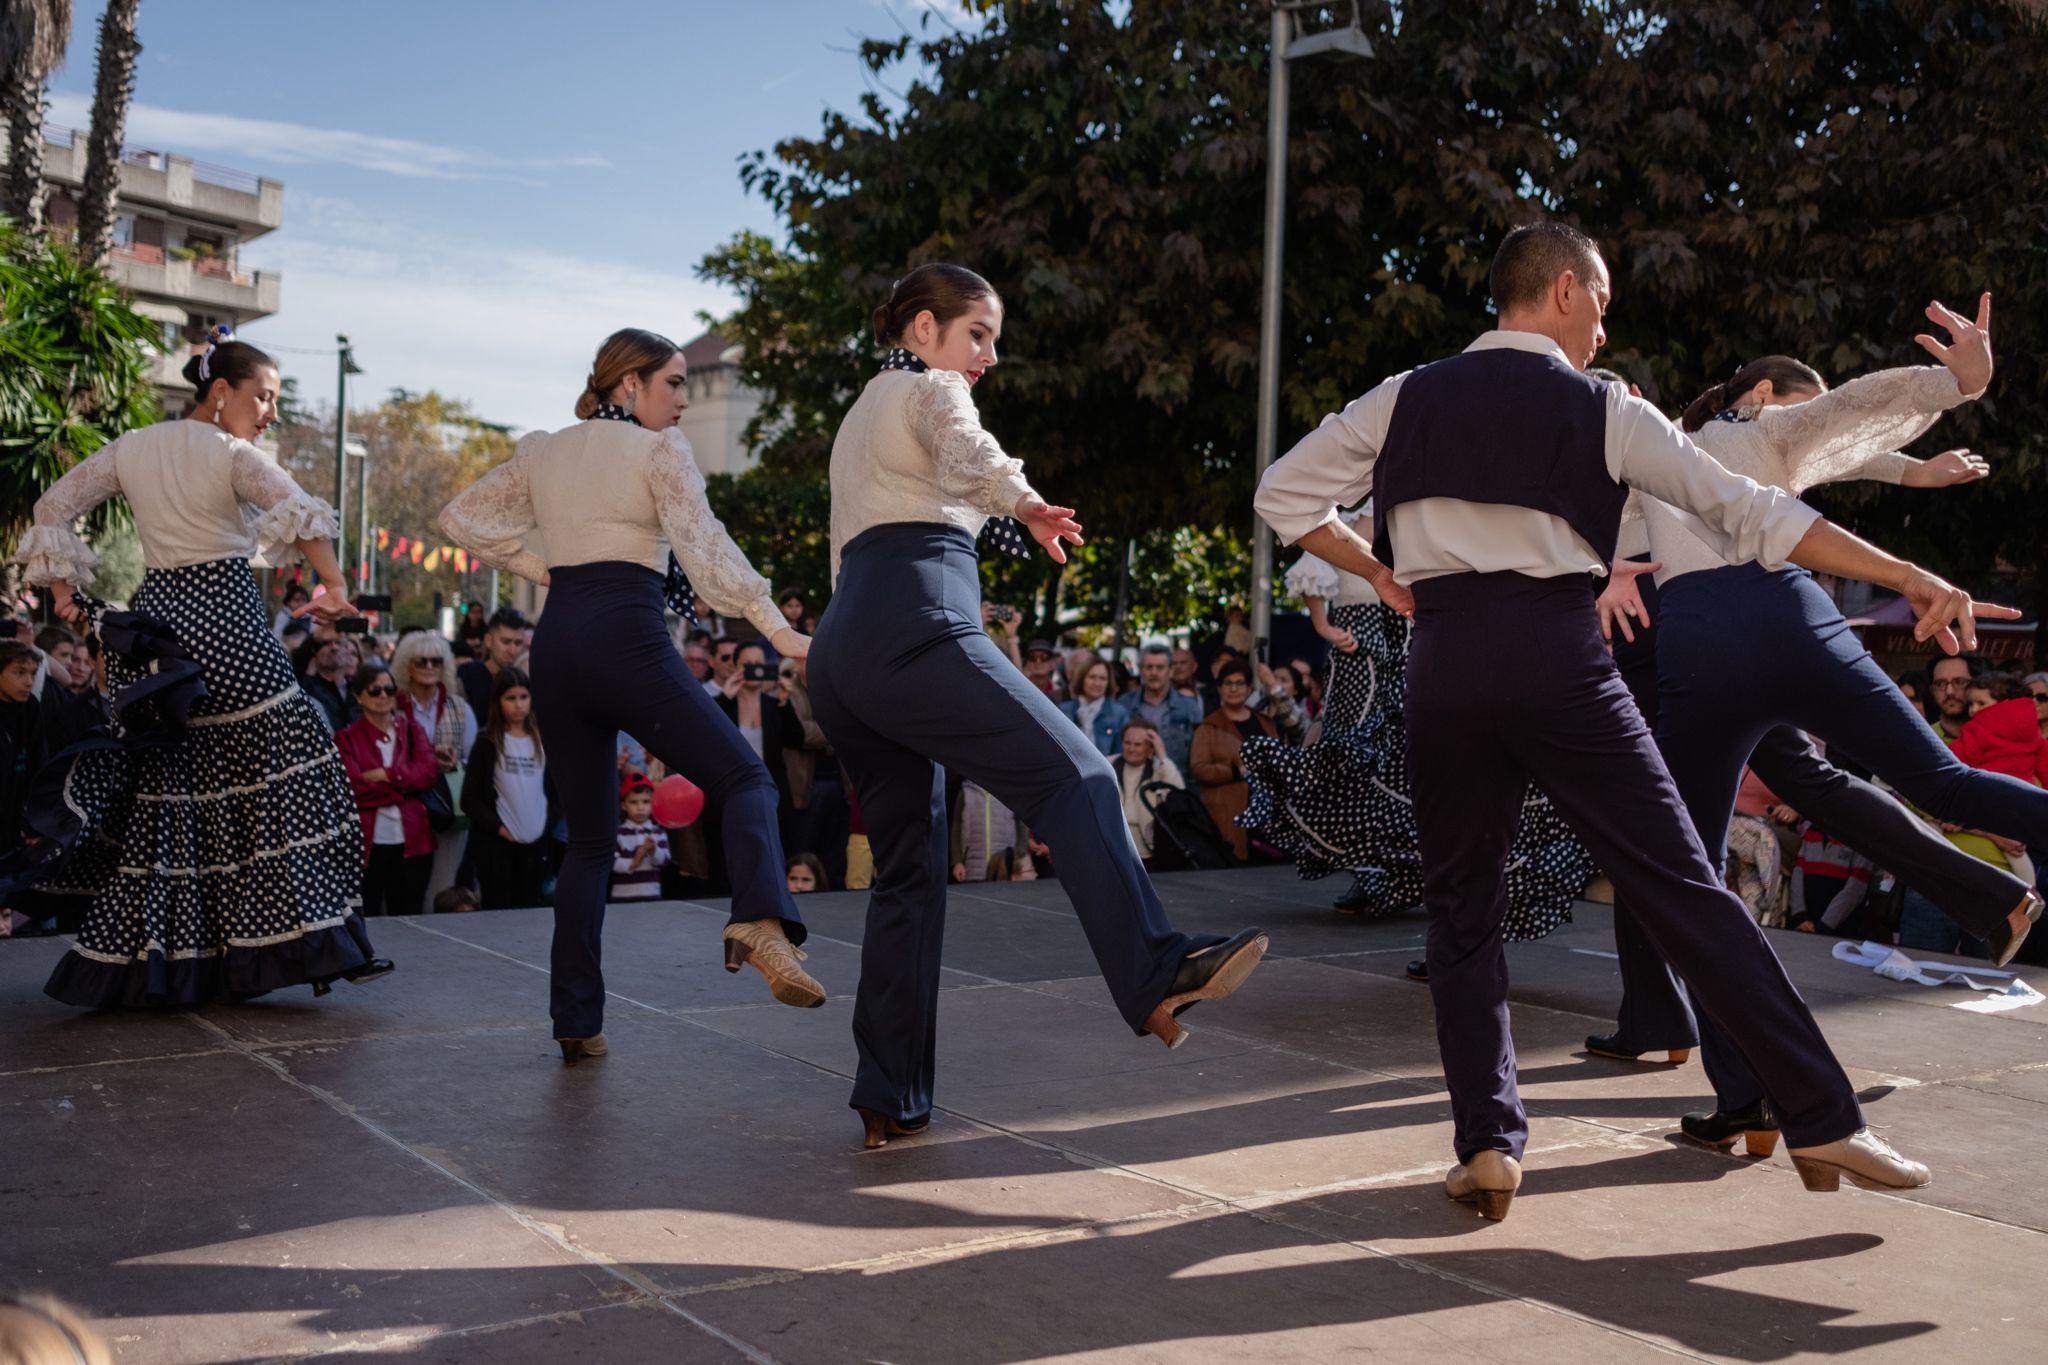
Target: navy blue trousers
(1569, 724)
(907, 684)
(1654, 1012)
(1744, 649)
(603, 662)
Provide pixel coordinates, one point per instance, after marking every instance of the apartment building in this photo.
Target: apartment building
(179, 229)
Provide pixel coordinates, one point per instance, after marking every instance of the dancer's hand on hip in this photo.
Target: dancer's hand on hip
(1946, 470)
(791, 643)
(1968, 356)
(1947, 614)
(1048, 525)
(1621, 601)
(1392, 593)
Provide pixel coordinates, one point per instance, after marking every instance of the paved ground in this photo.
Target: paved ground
(406, 1169)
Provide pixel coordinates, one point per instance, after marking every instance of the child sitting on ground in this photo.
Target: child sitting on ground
(643, 845)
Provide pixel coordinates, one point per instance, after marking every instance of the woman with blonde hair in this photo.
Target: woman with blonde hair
(424, 665)
(616, 499)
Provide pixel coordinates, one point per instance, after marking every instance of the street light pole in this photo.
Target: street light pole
(1269, 313)
(344, 364)
(1287, 46)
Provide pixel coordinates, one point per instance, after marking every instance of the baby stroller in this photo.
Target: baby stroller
(1185, 839)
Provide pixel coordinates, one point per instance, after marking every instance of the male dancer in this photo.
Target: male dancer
(1498, 478)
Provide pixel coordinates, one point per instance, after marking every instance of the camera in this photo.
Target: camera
(1006, 613)
(758, 673)
(374, 601)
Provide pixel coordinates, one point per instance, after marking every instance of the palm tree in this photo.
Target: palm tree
(74, 369)
(113, 83)
(33, 36)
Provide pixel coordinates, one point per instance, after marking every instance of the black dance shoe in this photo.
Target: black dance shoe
(1610, 1045)
(1756, 1125)
(1356, 901)
(1418, 970)
(375, 968)
(1206, 974)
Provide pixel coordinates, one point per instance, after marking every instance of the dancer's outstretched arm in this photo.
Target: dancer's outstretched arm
(491, 517)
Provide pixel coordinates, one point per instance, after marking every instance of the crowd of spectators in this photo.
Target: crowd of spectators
(444, 744)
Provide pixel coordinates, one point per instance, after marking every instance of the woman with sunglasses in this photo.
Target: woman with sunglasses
(905, 679)
(391, 765)
(424, 665)
(617, 499)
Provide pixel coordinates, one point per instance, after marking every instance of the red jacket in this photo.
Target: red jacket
(413, 770)
(2005, 737)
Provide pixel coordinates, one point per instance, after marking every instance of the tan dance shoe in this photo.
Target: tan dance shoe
(1489, 1180)
(1864, 1157)
(2017, 926)
(762, 943)
(575, 1050)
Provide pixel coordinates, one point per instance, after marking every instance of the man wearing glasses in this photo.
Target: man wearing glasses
(1951, 677)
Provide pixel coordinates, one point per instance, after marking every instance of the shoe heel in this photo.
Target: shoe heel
(1818, 1176)
(572, 1050)
(1162, 1025)
(1493, 1204)
(875, 1128)
(1761, 1142)
(1679, 1055)
(735, 954)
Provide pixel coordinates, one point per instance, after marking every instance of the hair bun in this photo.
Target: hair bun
(190, 372)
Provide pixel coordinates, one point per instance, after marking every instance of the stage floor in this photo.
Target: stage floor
(407, 1170)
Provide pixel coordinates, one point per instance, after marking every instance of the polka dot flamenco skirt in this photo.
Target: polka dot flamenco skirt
(228, 863)
(1341, 804)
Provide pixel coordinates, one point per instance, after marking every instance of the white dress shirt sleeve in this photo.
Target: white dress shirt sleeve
(1331, 467)
(50, 549)
(719, 570)
(492, 516)
(968, 463)
(1738, 517)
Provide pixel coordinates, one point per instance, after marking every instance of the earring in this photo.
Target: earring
(220, 406)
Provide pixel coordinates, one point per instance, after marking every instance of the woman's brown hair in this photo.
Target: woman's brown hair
(630, 350)
(946, 290)
(1786, 375)
(512, 680)
(224, 362)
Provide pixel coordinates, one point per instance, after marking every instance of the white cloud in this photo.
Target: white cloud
(300, 144)
(509, 328)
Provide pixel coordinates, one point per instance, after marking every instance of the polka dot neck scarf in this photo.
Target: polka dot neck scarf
(1004, 535)
(676, 591)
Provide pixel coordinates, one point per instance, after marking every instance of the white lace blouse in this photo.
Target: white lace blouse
(912, 448)
(1852, 432)
(602, 491)
(1314, 576)
(198, 495)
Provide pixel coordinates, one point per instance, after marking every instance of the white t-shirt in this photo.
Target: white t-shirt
(390, 827)
(522, 797)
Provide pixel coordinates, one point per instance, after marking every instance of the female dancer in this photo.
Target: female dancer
(225, 864)
(904, 679)
(1342, 803)
(611, 497)
(1723, 627)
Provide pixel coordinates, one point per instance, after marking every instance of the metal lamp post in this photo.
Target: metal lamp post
(1289, 44)
(345, 366)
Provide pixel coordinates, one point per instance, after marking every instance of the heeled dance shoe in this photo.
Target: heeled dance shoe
(1418, 970)
(762, 944)
(575, 1050)
(880, 1127)
(1754, 1124)
(2017, 926)
(372, 970)
(1205, 974)
(1867, 1159)
(1488, 1180)
(1610, 1045)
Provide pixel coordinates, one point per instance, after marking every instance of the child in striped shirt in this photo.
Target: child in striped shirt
(643, 845)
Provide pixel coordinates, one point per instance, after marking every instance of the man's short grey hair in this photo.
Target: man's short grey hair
(1161, 650)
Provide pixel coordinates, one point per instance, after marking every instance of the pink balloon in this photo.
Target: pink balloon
(677, 802)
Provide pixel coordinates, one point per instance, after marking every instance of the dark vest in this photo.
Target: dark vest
(1501, 426)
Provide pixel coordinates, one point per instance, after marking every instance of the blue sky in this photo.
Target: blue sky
(477, 194)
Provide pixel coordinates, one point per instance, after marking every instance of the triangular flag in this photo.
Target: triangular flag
(461, 561)
(419, 548)
(433, 560)
(383, 539)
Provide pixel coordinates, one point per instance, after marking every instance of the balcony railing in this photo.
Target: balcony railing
(152, 158)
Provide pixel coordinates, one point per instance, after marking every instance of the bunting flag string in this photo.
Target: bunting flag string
(424, 553)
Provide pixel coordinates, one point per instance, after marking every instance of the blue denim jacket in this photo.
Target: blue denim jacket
(1176, 725)
(1108, 730)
